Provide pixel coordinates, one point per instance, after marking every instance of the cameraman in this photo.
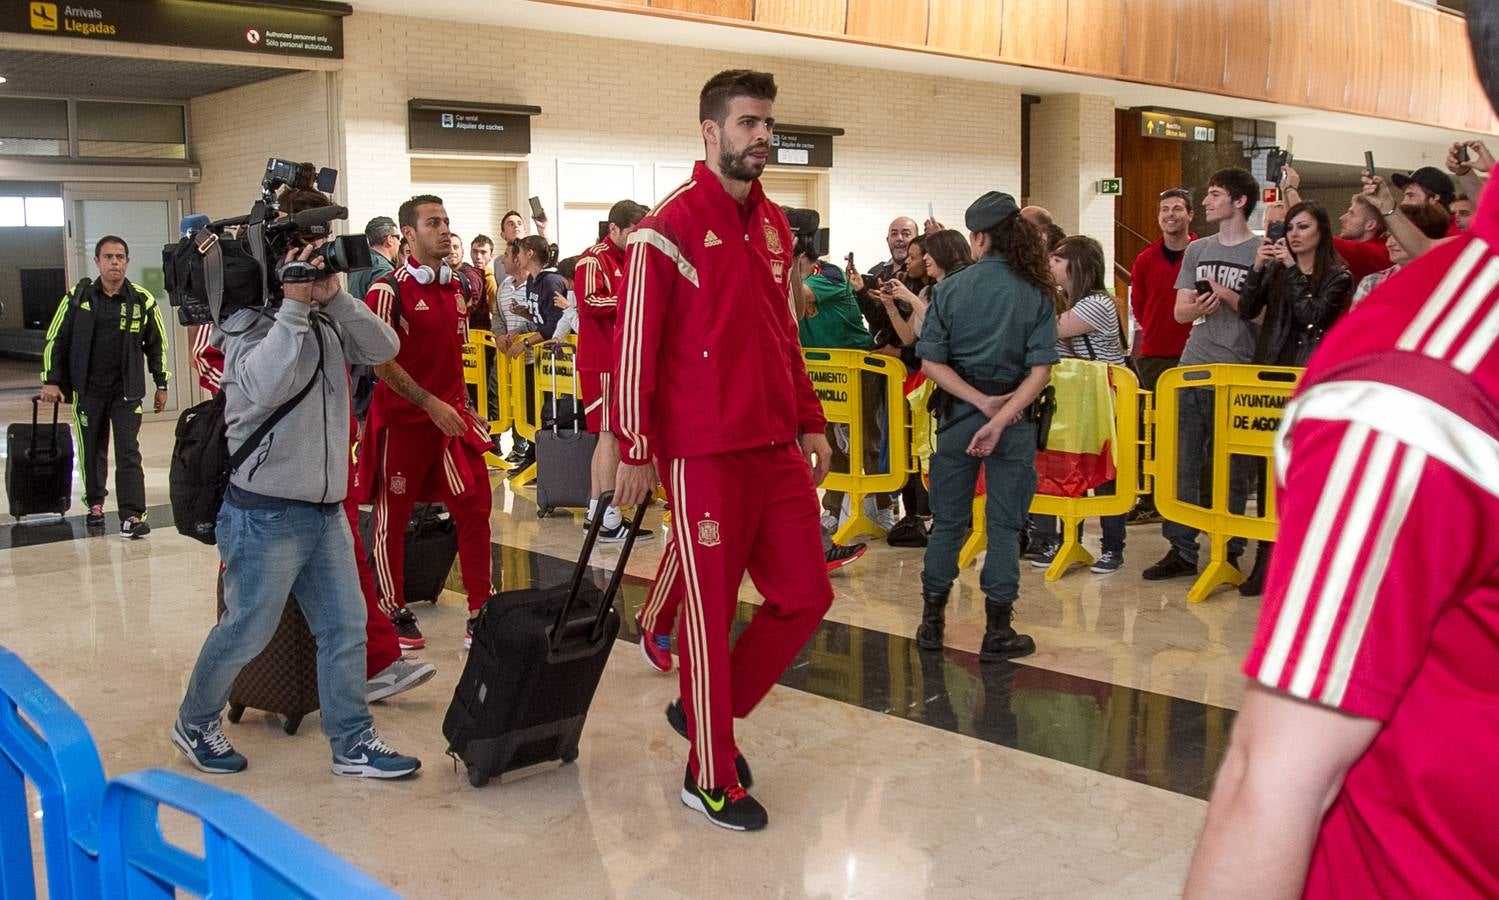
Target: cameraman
(282, 528)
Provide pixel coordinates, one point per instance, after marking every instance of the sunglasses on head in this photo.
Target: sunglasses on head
(1178, 192)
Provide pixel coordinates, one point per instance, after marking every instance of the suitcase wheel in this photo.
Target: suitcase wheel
(569, 756)
(236, 712)
(292, 724)
(477, 776)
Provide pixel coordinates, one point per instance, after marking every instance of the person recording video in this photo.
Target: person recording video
(282, 528)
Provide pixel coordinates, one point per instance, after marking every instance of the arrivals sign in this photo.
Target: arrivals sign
(458, 126)
(803, 145)
(287, 29)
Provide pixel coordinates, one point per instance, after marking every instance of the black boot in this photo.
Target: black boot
(1001, 642)
(1254, 585)
(929, 634)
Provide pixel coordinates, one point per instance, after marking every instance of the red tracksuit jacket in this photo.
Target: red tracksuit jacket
(706, 353)
(595, 284)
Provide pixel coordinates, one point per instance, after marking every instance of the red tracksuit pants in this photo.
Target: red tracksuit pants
(420, 463)
(749, 511)
(380, 645)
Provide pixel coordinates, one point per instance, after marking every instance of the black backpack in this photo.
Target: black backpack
(202, 463)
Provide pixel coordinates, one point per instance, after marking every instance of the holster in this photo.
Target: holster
(1041, 411)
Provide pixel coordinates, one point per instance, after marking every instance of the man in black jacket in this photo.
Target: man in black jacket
(103, 337)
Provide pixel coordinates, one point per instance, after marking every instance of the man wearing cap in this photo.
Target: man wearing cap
(988, 344)
(1425, 186)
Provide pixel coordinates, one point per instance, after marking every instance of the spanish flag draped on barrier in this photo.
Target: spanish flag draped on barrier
(1080, 451)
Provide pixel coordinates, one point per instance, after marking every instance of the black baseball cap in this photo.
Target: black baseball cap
(1432, 180)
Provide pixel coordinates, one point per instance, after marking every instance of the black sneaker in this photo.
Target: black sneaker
(134, 528)
(676, 716)
(408, 635)
(1172, 565)
(1107, 562)
(1142, 515)
(94, 518)
(618, 533)
(839, 555)
(1044, 555)
(728, 807)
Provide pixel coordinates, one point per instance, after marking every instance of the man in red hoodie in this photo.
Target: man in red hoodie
(707, 301)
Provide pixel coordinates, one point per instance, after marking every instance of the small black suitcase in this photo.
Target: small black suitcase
(39, 466)
(282, 678)
(536, 661)
(431, 548)
(564, 450)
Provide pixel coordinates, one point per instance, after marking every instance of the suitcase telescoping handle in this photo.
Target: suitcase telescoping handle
(566, 352)
(597, 630)
(35, 401)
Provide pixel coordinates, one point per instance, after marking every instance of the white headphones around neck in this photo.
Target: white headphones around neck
(425, 275)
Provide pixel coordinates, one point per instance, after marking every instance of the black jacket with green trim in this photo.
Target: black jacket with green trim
(70, 339)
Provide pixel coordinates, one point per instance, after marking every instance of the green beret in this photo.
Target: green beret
(989, 210)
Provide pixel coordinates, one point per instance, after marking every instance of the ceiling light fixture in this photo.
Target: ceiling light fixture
(2, 79)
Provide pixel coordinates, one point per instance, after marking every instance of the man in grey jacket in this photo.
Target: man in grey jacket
(282, 529)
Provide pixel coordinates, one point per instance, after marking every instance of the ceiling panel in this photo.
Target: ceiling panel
(36, 72)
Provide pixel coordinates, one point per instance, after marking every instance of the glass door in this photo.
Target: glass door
(147, 217)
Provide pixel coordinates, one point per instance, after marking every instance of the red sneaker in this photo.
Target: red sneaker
(840, 555)
(656, 648)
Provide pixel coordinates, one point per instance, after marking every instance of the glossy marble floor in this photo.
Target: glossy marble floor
(888, 773)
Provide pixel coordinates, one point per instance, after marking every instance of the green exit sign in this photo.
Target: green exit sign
(1111, 187)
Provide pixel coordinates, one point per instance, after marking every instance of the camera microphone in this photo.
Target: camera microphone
(192, 223)
(311, 219)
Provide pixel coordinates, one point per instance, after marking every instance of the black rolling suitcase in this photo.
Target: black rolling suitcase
(536, 661)
(282, 678)
(431, 548)
(564, 450)
(39, 466)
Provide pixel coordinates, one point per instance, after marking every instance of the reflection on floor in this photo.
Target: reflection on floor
(1077, 772)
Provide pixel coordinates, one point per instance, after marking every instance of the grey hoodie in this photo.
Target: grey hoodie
(306, 455)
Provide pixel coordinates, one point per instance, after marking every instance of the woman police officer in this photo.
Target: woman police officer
(988, 343)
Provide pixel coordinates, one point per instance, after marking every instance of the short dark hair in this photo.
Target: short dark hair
(482, 239)
(110, 239)
(1239, 183)
(407, 214)
(508, 214)
(568, 268)
(1483, 33)
(713, 102)
(626, 213)
(379, 230)
(1053, 234)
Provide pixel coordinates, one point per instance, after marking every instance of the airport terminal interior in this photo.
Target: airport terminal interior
(1081, 770)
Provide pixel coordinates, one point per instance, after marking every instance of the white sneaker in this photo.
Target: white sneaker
(885, 518)
(398, 677)
(829, 522)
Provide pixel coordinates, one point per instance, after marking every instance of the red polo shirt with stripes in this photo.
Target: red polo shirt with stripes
(1383, 596)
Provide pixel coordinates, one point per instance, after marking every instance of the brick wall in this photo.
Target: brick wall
(234, 132)
(1072, 148)
(613, 100)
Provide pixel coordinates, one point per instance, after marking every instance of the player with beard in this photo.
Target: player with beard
(707, 299)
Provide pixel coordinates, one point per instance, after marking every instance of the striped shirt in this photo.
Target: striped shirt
(1382, 599)
(1102, 341)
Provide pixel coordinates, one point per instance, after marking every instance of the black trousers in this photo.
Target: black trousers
(95, 418)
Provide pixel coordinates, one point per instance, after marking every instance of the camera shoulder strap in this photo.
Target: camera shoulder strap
(238, 458)
(213, 269)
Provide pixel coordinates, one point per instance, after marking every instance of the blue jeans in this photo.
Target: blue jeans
(296, 549)
(1049, 528)
(1194, 473)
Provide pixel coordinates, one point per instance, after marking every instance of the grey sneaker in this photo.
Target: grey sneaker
(134, 528)
(367, 756)
(207, 748)
(1108, 563)
(1044, 556)
(398, 677)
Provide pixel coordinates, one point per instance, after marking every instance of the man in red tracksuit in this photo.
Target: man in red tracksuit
(709, 384)
(421, 441)
(596, 284)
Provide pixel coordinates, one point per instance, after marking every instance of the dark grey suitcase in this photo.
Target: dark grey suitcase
(39, 466)
(537, 658)
(564, 450)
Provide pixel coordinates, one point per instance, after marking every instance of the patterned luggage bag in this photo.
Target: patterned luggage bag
(283, 678)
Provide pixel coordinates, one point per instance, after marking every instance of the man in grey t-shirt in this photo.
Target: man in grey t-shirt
(1222, 261)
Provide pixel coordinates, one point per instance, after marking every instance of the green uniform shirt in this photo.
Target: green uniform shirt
(989, 323)
(361, 279)
(838, 324)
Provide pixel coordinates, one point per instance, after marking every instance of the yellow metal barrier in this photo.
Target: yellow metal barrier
(1246, 414)
(837, 376)
(1073, 510)
(478, 355)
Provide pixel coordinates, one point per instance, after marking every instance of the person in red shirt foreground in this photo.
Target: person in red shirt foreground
(1361, 759)
(706, 300)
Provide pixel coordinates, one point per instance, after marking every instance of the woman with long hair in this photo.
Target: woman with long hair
(987, 343)
(929, 259)
(1297, 287)
(1088, 329)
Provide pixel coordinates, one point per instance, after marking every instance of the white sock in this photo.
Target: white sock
(612, 518)
(592, 505)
